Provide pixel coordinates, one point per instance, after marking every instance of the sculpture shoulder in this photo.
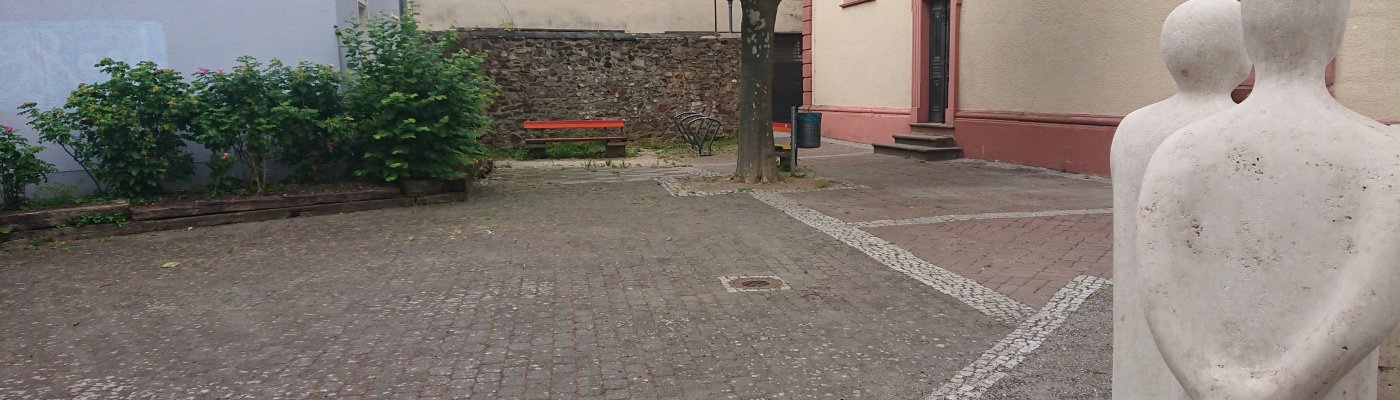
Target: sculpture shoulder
(1168, 115)
(1141, 131)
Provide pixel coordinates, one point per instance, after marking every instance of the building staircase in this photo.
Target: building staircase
(928, 142)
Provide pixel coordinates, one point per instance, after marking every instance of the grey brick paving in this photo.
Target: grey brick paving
(1074, 364)
(905, 189)
(530, 291)
(974, 217)
(968, 291)
(598, 174)
(1003, 358)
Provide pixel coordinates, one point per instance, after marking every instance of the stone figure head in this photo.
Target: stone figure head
(1294, 35)
(1203, 46)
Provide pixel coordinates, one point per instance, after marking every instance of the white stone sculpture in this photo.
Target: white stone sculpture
(1203, 47)
(1269, 234)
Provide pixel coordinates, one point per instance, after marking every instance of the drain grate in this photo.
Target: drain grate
(753, 283)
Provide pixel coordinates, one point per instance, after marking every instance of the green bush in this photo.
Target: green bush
(315, 142)
(417, 106)
(125, 132)
(19, 167)
(256, 111)
(237, 115)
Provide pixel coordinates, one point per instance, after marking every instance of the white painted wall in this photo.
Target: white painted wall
(48, 47)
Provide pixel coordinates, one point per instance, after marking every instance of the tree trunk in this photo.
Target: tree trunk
(756, 159)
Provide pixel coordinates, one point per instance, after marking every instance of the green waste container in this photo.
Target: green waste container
(807, 132)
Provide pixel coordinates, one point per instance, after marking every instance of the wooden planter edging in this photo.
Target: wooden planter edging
(49, 224)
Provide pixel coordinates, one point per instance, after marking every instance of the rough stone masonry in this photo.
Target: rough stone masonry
(642, 78)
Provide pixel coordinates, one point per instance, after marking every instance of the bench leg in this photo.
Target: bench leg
(616, 150)
(537, 151)
(785, 163)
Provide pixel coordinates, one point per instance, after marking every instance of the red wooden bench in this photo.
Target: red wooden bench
(784, 151)
(616, 145)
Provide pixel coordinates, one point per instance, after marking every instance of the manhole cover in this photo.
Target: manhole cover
(753, 283)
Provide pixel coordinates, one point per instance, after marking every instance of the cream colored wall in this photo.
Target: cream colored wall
(1077, 57)
(862, 54)
(1368, 68)
(640, 16)
(1102, 57)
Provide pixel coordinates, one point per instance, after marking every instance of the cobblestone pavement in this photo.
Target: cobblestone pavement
(1075, 364)
(1028, 259)
(595, 283)
(902, 189)
(603, 173)
(534, 289)
(1022, 232)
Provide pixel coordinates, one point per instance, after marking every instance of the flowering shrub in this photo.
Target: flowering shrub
(315, 141)
(417, 106)
(245, 112)
(125, 132)
(410, 109)
(256, 112)
(19, 167)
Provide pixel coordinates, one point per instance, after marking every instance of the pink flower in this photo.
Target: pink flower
(225, 157)
(8, 129)
(202, 70)
(219, 71)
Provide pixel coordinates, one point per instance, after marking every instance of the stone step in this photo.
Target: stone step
(918, 152)
(931, 128)
(925, 140)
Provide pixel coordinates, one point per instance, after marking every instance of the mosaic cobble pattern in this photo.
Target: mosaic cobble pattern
(600, 174)
(1074, 363)
(1028, 259)
(965, 290)
(675, 188)
(997, 362)
(973, 217)
(905, 189)
(529, 291)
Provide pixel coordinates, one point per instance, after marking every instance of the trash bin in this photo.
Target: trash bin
(807, 133)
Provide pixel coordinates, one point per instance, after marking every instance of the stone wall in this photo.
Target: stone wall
(644, 79)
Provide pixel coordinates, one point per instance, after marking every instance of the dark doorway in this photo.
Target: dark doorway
(787, 74)
(939, 34)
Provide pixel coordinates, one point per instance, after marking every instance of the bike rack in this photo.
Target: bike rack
(698, 130)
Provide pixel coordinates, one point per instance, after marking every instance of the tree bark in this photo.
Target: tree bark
(756, 162)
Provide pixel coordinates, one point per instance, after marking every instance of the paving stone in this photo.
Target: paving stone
(904, 189)
(384, 300)
(1003, 358)
(1028, 259)
(1074, 364)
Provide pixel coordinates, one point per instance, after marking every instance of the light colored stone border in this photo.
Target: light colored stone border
(674, 188)
(726, 279)
(866, 146)
(1018, 167)
(997, 362)
(968, 291)
(800, 158)
(970, 217)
